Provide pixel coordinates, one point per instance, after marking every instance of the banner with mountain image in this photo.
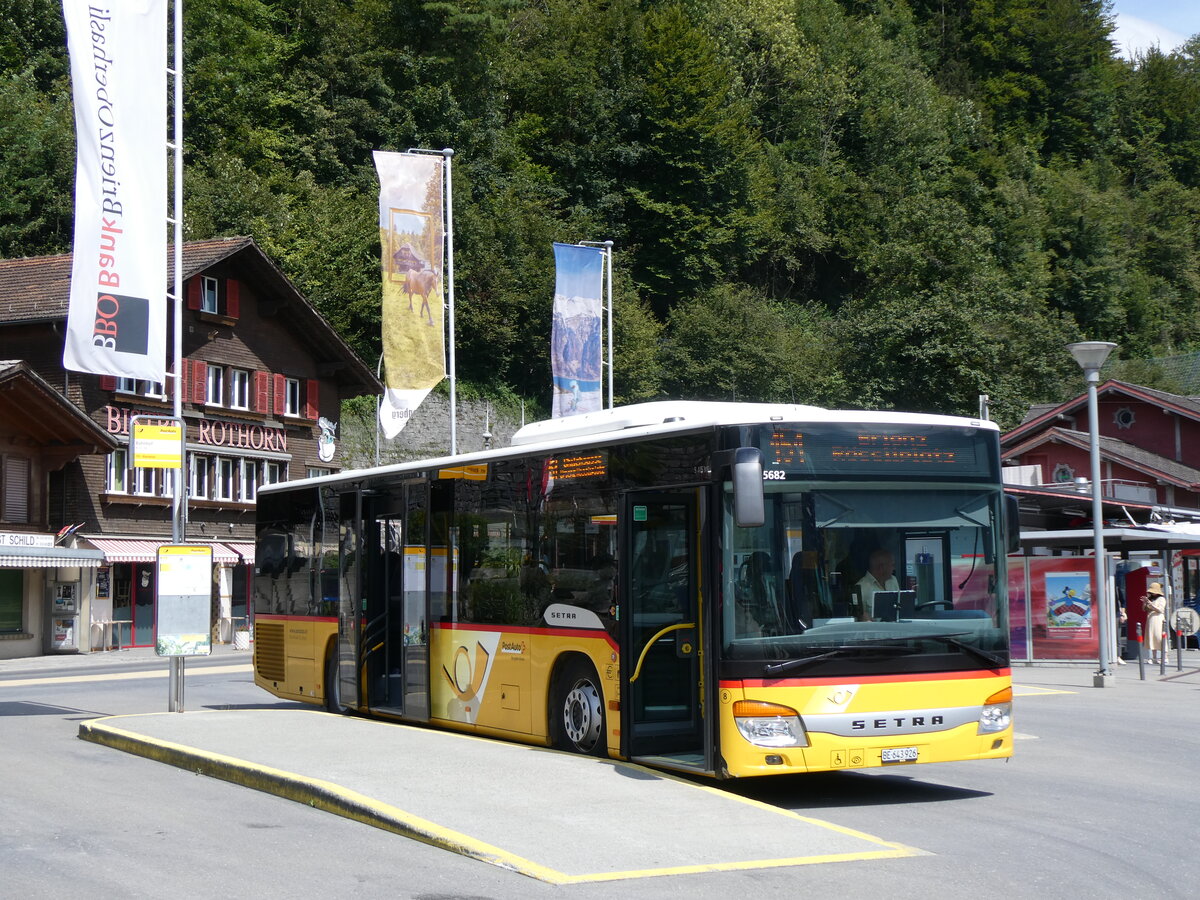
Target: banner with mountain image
(412, 238)
(576, 349)
(117, 308)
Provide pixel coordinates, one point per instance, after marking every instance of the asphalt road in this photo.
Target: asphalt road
(1099, 801)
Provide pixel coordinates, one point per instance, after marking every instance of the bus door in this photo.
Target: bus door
(661, 625)
(394, 632)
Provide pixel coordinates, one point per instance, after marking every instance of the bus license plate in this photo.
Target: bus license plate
(900, 754)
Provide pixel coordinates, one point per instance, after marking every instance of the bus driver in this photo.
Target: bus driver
(880, 568)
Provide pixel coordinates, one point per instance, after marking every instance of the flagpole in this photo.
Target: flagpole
(607, 251)
(178, 502)
(608, 245)
(447, 153)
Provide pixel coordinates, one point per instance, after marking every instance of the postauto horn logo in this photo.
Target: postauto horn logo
(122, 323)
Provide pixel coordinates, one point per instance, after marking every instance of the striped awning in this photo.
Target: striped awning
(51, 558)
(244, 549)
(117, 550)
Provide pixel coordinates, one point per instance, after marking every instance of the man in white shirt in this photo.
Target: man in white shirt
(879, 577)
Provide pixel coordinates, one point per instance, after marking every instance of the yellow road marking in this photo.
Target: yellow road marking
(1023, 690)
(122, 676)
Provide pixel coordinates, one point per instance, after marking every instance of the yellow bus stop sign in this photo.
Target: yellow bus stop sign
(157, 446)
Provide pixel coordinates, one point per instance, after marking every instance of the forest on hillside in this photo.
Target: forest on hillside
(867, 203)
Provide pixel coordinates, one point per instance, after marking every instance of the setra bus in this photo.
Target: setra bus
(730, 589)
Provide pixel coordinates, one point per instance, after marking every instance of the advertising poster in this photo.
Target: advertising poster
(412, 235)
(184, 586)
(1061, 609)
(576, 354)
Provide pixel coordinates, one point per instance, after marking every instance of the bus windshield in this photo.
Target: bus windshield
(864, 580)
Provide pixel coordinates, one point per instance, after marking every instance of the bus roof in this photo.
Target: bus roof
(644, 420)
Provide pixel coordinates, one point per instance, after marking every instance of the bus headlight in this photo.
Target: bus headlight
(996, 714)
(769, 724)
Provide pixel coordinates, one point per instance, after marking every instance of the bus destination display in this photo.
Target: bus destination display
(838, 449)
(585, 465)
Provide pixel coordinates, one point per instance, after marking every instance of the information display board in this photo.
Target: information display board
(184, 600)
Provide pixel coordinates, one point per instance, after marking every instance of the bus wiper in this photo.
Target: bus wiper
(953, 640)
(791, 665)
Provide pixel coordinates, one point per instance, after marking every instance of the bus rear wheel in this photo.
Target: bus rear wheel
(579, 710)
(333, 687)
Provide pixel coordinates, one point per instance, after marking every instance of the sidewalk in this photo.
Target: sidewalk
(113, 658)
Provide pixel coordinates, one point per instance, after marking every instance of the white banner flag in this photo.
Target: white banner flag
(116, 322)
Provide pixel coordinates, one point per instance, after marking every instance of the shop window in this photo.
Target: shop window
(12, 601)
(15, 475)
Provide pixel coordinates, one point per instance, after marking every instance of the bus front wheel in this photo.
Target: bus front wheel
(579, 710)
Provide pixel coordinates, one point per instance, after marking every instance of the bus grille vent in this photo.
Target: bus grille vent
(268, 651)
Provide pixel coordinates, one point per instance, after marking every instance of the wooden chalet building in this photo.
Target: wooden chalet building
(262, 380)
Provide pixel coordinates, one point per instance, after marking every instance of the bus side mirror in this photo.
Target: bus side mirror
(1012, 523)
(748, 507)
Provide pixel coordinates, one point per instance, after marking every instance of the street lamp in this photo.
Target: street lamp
(1091, 356)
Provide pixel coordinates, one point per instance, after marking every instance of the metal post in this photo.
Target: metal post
(1141, 656)
(379, 405)
(1091, 356)
(178, 503)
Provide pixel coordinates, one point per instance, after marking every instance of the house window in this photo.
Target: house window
(209, 302)
(118, 470)
(291, 403)
(12, 601)
(314, 472)
(140, 388)
(274, 472)
(144, 481)
(249, 480)
(214, 392)
(199, 476)
(225, 477)
(239, 388)
(16, 488)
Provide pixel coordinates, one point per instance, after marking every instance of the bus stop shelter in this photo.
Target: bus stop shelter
(1051, 615)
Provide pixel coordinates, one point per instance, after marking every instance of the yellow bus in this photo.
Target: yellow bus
(718, 588)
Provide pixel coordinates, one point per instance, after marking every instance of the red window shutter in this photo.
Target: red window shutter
(108, 382)
(193, 293)
(280, 385)
(233, 298)
(199, 381)
(262, 392)
(183, 381)
(311, 406)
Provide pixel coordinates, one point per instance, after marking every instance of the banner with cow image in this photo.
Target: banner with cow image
(117, 312)
(411, 235)
(576, 352)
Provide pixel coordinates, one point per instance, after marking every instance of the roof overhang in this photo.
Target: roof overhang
(1115, 539)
